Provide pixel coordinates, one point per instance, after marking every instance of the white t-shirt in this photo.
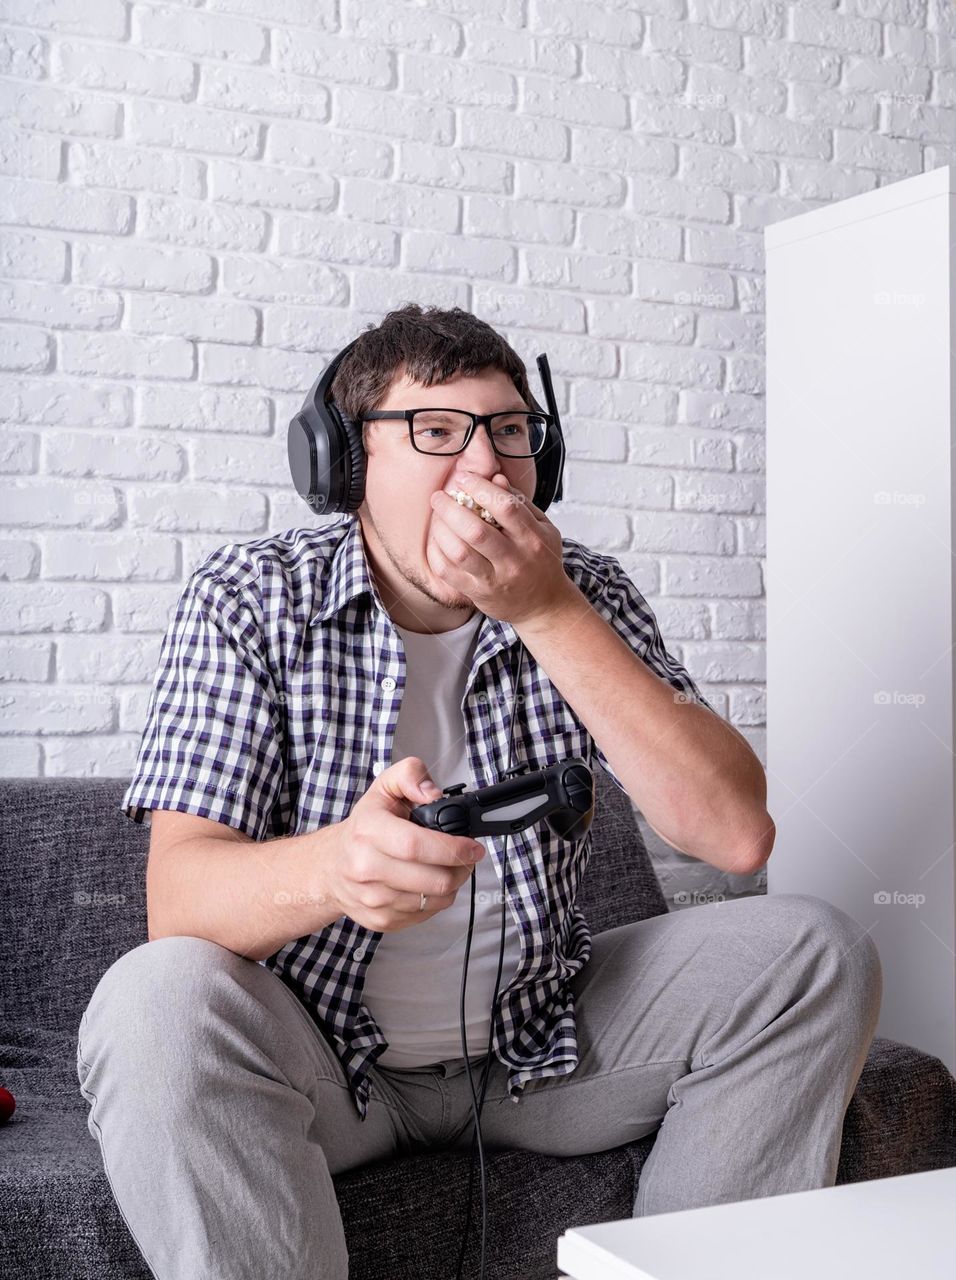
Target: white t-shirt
(413, 983)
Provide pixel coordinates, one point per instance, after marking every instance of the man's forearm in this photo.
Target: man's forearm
(249, 896)
(695, 779)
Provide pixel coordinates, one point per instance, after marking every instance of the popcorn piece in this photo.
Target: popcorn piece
(465, 500)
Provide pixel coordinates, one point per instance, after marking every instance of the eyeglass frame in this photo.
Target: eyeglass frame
(484, 419)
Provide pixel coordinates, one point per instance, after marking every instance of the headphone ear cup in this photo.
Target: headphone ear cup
(356, 492)
(353, 455)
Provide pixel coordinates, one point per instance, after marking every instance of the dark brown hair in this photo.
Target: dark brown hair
(429, 346)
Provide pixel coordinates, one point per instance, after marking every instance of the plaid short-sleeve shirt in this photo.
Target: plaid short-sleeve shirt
(275, 703)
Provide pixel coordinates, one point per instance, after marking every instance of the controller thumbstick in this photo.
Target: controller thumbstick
(456, 789)
(579, 786)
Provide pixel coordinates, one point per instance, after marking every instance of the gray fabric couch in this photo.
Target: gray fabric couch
(64, 841)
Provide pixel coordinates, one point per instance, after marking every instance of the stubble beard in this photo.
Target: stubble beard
(452, 600)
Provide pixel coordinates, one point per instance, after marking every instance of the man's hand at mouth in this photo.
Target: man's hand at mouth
(512, 569)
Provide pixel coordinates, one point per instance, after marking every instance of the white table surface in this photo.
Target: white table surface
(883, 1229)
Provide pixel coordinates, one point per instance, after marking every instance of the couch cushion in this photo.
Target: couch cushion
(72, 894)
(62, 1221)
(902, 1116)
(41, 1063)
(411, 1211)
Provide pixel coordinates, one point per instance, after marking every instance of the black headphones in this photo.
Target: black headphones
(327, 461)
(327, 458)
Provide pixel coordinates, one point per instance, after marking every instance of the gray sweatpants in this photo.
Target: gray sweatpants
(221, 1111)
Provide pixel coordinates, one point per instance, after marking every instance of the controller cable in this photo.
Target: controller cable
(476, 1105)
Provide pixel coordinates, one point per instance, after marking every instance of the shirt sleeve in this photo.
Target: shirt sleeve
(212, 741)
(619, 601)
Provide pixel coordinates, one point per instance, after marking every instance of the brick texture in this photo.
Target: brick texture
(200, 203)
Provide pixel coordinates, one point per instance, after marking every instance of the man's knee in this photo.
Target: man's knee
(159, 990)
(852, 955)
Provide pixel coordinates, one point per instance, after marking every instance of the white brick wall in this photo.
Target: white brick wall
(202, 202)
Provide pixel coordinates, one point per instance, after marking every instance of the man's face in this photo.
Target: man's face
(396, 514)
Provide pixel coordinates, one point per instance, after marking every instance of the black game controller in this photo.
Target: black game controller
(562, 794)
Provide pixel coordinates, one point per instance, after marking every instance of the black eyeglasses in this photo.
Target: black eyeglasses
(513, 433)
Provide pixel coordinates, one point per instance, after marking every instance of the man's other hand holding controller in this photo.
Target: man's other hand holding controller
(383, 863)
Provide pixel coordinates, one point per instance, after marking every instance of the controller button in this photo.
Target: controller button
(580, 799)
(453, 819)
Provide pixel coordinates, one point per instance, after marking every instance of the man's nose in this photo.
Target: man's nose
(480, 456)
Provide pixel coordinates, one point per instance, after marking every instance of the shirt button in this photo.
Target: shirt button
(377, 767)
(388, 684)
(359, 954)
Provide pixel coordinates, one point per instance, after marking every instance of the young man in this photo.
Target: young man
(313, 687)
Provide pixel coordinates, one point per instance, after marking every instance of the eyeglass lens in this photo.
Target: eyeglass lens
(519, 435)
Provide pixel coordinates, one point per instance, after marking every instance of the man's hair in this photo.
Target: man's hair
(429, 346)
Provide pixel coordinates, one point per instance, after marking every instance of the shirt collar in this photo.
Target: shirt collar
(350, 577)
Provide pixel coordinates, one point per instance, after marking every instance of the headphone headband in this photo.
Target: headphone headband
(327, 458)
